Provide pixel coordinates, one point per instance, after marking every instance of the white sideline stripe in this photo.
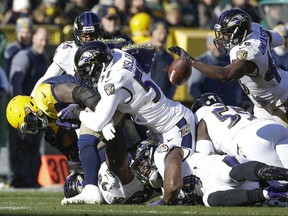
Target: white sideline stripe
(131, 212)
(12, 208)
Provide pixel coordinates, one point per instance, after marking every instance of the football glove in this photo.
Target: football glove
(108, 131)
(70, 112)
(67, 125)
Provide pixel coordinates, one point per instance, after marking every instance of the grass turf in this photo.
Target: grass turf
(39, 202)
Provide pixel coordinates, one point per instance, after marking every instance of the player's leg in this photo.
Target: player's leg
(257, 142)
(117, 152)
(234, 197)
(255, 171)
(90, 160)
(282, 145)
(240, 169)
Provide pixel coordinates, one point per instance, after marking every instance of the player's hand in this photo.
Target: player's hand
(70, 112)
(68, 125)
(108, 131)
(181, 53)
(176, 50)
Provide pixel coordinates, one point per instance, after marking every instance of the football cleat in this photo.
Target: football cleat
(89, 195)
(273, 173)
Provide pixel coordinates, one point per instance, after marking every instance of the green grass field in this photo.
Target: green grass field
(47, 202)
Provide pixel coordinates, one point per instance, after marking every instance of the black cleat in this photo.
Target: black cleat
(273, 173)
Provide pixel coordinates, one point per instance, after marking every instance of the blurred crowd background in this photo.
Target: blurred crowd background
(43, 24)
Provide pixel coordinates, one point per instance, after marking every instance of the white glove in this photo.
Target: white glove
(108, 131)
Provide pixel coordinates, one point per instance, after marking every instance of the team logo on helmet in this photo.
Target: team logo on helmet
(87, 57)
(236, 20)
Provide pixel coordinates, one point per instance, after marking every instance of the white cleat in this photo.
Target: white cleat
(89, 195)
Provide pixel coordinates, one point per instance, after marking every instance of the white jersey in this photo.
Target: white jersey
(125, 87)
(203, 174)
(63, 62)
(112, 189)
(266, 86)
(64, 56)
(234, 131)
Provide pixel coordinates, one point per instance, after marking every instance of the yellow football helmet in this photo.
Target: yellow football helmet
(140, 24)
(24, 115)
(45, 100)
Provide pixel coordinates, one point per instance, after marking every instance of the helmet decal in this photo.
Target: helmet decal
(88, 57)
(90, 60)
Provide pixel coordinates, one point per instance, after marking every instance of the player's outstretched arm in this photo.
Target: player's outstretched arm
(233, 71)
(173, 181)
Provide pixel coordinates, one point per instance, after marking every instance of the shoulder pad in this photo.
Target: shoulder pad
(245, 51)
(147, 46)
(64, 49)
(117, 43)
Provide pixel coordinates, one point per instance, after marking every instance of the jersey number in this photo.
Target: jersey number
(234, 118)
(147, 84)
(218, 112)
(271, 73)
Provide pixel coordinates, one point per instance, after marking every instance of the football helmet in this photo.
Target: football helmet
(74, 184)
(87, 23)
(24, 115)
(232, 28)
(90, 59)
(142, 163)
(140, 24)
(206, 99)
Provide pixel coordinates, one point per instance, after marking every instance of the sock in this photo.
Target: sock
(90, 158)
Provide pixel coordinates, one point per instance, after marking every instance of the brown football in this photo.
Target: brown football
(179, 71)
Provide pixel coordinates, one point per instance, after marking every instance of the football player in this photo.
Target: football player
(87, 27)
(56, 92)
(249, 46)
(218, 180)
(88, 153)
(123, 85)
(52, 95)
(231, 130)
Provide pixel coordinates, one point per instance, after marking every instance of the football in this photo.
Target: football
(179, 71)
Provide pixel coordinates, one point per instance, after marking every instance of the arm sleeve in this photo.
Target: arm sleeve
(53, 70)
(205, 146)
(104, 111)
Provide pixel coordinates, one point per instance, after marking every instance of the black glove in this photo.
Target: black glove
(181, 53)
